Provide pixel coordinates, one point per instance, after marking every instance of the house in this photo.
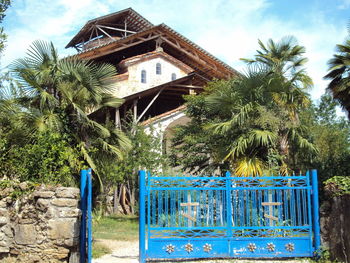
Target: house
(156, 66)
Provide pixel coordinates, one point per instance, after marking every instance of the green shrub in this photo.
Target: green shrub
(48, 159)
(338, 185)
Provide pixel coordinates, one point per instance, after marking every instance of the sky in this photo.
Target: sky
(228, 29)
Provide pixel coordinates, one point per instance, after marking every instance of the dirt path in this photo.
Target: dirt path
(123, 252)
(127, 252)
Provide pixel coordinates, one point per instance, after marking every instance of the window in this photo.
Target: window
(158, 69)
(173, 76)
(143, 76)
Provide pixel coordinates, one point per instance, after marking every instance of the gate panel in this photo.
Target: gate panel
(204, 217)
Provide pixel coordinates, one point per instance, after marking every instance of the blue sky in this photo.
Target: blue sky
(227, 29)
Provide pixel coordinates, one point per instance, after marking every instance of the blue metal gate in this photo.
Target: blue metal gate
(223, 217)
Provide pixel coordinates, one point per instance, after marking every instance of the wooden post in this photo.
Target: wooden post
(135, 110)
(117, 119)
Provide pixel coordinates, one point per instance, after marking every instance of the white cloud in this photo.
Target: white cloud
(228, 29)
(344, 4)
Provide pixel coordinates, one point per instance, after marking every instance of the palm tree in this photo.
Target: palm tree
(285, 61)
(259, 110)
(339, 74)
(62, 95)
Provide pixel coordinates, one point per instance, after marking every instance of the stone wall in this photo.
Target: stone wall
(42, 226)
(335, 227)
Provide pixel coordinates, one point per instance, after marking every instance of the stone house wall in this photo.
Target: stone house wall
(42, 226)
(133, 83)
(335, 227)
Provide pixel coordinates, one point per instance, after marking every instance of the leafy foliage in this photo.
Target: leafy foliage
(338, 185)
(60, 96)
(251, 122)
(331, 136)
(339, 75)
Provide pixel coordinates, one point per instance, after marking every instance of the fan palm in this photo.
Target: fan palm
(62, 96)
(255, 122)
(339, 74)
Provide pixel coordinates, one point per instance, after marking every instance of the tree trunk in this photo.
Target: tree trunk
(115, 200)
(123, 200)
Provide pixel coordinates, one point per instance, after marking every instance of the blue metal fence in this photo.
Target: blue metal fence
(206, 217)
(86, 216)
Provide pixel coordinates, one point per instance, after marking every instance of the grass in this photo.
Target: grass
(99, 249)
(123, 228)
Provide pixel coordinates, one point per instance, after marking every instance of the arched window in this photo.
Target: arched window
(158, 69)
(143, 76)
(173, 76)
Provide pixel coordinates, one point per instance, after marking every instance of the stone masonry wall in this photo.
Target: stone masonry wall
(335, 227)
(42, 226)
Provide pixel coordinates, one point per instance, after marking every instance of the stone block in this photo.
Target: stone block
(63, 228)
(71, 242)
(7, 231)
(69, 212)
(43, 194)
(65, 202)
(67, 192)
(3, 212)
(42, 204)
(3, 220)
(25, 234)
(3, 204)
(74, 257)
(51, 212)
(4, 249)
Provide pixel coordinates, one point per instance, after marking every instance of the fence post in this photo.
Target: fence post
(89, 212)
(142, 216)
(315, 209)
(229, 208)
(83, 176)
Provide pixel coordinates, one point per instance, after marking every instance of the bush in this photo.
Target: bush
(48, 159)
(338, 185)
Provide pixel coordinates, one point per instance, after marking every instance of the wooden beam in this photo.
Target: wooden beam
(271, 203)
(117, 119)
(271, 217)
(149, 105)
(108, 50)
(204, 63)
(188, 86)
(105, 33)
(118, 29)
(135, 110)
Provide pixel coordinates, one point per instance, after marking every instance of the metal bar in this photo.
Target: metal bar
(89, 212)
(309, 210)
(142, 213)
(315, 206)
(299, 208)
(268, 179)
(149, 217)
(83, 177)
(228, 204)
(223, 188)
(292, 207)
(261, 222)
(238, 228)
